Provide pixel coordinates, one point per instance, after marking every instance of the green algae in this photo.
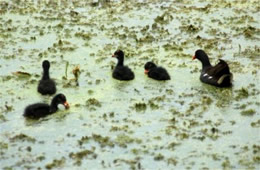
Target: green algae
(256, 124)
(56, 163)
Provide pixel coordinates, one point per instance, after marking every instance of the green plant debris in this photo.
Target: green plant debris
(88, 154)
(92, 103)
(226, 164)
(241, 94)
(248, 112)
(66, 70)
(22, 74)
(158, 157)
(76, 73)
(56, 163)
(84, 36)
(153, 105)
(84, 139)
(206, 100)
(256, 124)
(22, 137)
(3, 146)
(132, 163)
(103, 141)
(122, 140)
(172, 161)
(124, 128)
(140, 106)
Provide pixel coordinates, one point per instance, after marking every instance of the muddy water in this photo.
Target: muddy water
(140, 124)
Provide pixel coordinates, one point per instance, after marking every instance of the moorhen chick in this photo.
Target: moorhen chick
(46, 85)
(218, 75)
(122, 72)
(38, 110)
(154, 72)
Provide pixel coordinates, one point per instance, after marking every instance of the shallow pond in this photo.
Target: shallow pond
(140, 124)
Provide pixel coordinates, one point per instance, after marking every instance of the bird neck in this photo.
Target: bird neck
(120, 62)
(46, 75)
(54, 105)
(205, 63)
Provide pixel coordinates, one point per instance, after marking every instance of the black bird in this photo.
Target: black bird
(218, 75)
(38, 110)
(46, 85)
(154, 72)
(122, 72)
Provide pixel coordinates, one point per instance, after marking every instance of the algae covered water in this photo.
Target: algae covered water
(140, 124)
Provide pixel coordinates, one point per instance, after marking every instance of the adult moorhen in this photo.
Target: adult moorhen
(218, 75)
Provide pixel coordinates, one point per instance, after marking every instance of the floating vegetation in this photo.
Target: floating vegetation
(158, 157)
(22, 137)
(85, 154)
(3, 146)
(248, 112)
(84, 36)
(22, 74)
(256, 124)
(122, 140)
(140, 106)
(250, 31)
(190, 28)
(56, 163)
(92, 103)
(241, 93)
(76, 72)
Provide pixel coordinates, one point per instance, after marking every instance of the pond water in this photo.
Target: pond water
(140, 124)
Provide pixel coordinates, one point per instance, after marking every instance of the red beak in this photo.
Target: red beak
(66, 104)
(146, 71)
(194, 57)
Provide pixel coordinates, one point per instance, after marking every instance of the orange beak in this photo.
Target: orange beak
(194, 57)
(146, 71)
(66, 104)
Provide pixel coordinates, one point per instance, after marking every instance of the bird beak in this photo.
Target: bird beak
(114, 55)
(146, 71)
(66, 104)
(194, 57)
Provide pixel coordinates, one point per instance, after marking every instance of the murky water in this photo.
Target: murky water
(141, 124)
